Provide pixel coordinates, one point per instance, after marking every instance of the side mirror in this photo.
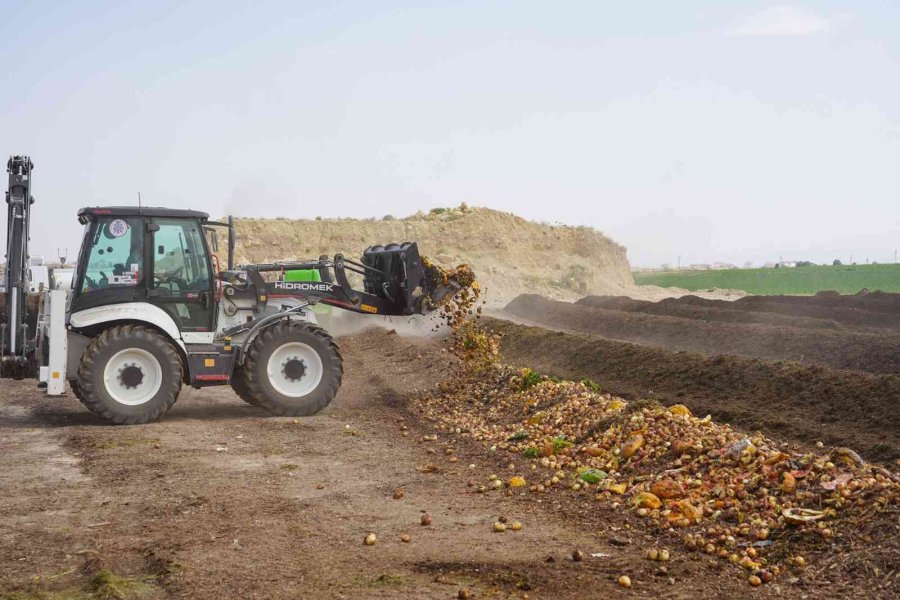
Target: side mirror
(160, 249)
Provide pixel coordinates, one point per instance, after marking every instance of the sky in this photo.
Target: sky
(710, 131)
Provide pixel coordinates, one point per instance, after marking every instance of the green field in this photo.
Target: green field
(846, 279)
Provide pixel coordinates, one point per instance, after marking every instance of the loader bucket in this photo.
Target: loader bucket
(398, 274)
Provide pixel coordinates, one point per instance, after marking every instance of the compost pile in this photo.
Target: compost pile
(743, 498)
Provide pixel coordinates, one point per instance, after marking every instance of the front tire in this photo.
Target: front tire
(239, 385)
(292, 369)
(129, 374)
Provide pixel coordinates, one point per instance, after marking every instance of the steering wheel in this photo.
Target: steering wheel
(172, 277)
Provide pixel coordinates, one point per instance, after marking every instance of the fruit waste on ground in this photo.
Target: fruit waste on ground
(743, 498)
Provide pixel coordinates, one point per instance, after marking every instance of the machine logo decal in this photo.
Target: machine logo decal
(123, 279)
(304, 286)
(118, 228)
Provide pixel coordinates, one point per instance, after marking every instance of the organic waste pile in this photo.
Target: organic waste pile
(744, 498)
(477, 349)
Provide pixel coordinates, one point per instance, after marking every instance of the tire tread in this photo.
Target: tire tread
(239, 385)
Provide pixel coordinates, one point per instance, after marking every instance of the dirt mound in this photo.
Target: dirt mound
(870, 352)
(883, 302)
(674, 307)
(509, 254)
(803, 307)
(785, 400)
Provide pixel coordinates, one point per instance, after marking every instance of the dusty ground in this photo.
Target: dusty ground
(282, 509)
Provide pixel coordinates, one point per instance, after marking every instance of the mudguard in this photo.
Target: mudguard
(128, 311)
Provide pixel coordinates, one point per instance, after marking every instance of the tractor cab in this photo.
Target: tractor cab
(155, 255)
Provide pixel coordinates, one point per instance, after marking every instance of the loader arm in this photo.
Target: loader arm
(397, 282)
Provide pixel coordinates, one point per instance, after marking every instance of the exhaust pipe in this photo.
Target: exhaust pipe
(230, 243)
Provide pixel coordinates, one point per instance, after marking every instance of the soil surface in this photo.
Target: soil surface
(219, 500)
(873, 352)
(876, 301)
(863, 316)
(687, 308)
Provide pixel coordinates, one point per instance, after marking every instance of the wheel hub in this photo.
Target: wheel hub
(294, 369)
(131, 376)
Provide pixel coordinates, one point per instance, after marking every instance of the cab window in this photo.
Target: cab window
(180, 261)
(116, 255)
(181, 277)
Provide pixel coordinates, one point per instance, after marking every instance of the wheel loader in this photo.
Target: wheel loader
(150, 309)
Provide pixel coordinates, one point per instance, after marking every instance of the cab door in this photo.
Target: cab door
(181, 280)
(111, 264)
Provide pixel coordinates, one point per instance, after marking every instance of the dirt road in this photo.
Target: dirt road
(221, 501)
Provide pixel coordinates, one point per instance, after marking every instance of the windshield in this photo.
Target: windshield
(115, 255)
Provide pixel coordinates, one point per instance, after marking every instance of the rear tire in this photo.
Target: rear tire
(73, 383)
(292, 369)
(129, 374)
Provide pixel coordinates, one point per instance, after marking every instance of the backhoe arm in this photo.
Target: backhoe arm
(19, 201)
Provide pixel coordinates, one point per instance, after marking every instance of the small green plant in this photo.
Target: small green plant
(561, 443)
(591, 385)
(518, 436)
(389, 218)
(531, 452)
(530, 378)
(437, 211)
(106, 584)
